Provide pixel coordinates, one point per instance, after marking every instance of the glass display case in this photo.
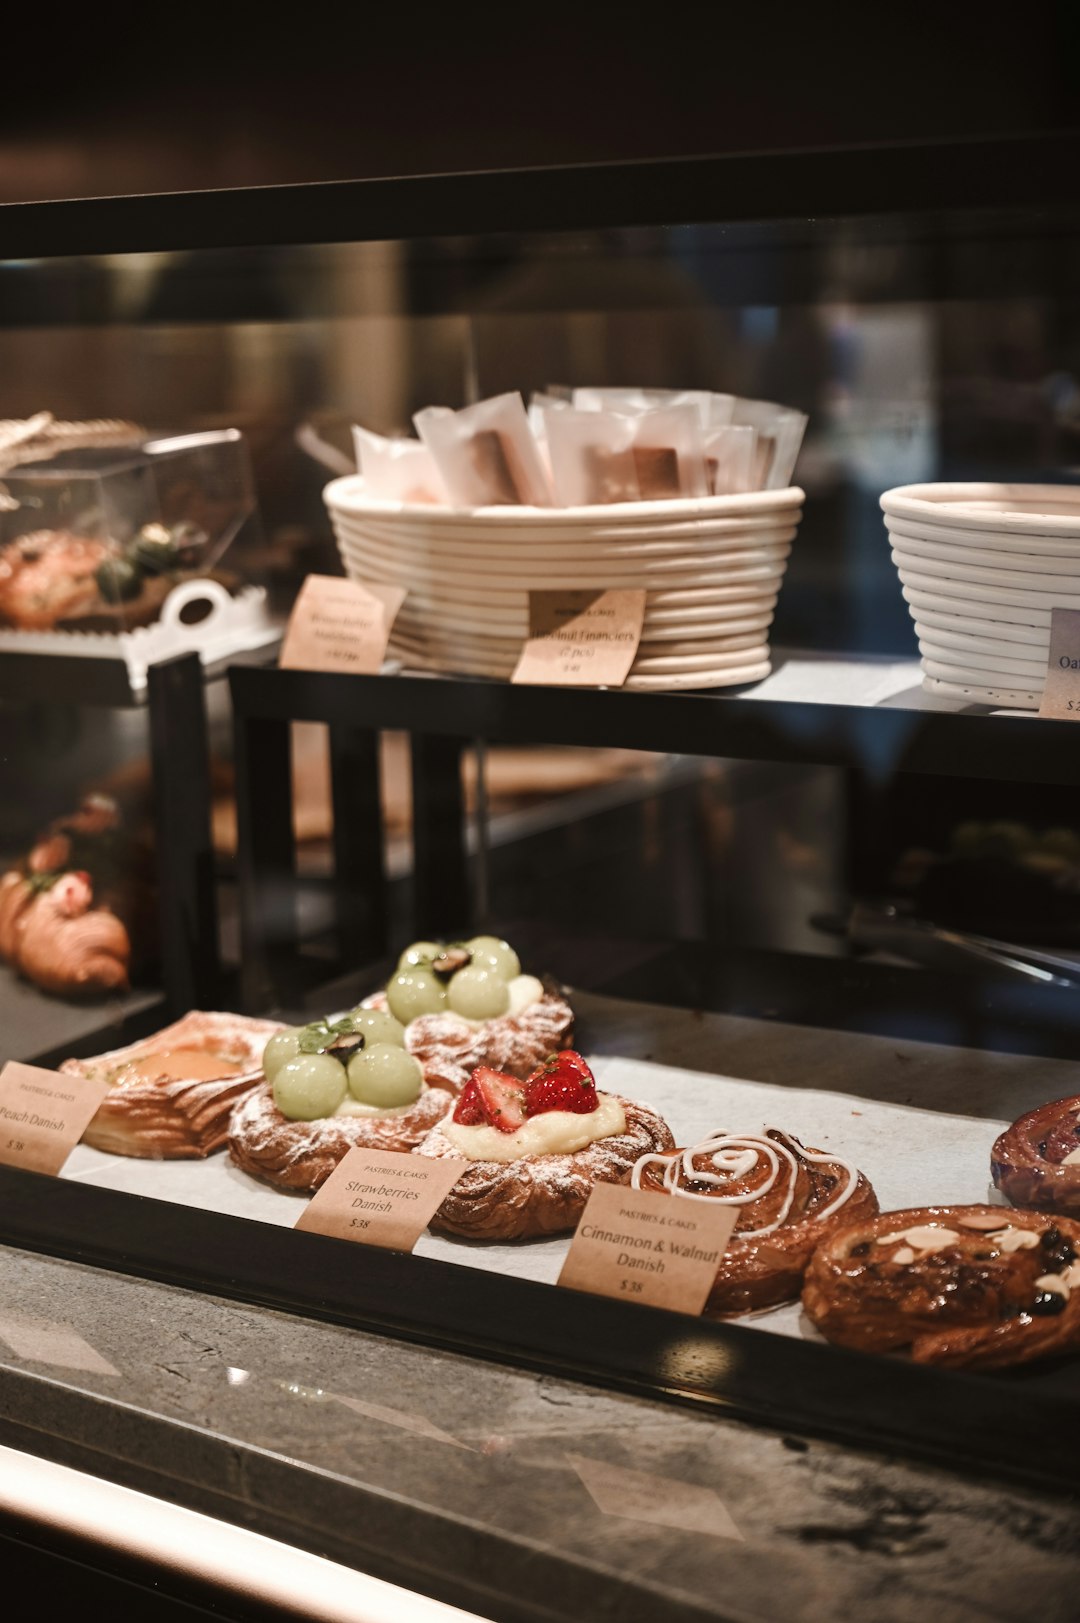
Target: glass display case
(802, 884)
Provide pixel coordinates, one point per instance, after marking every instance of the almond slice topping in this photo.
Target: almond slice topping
(1018, 1239)
(984, 1223)
(1053, 1282)
(1071, 1275)
(1072, 1159)
(905, 1254)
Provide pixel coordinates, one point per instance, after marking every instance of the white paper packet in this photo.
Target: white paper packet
(591, 456)
(668, 452)
(397, 470)
(729, 459)
(633, 401)
(599, 455)
(486, 453)
(780, 431)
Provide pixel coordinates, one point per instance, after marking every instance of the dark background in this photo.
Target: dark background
(109, 102)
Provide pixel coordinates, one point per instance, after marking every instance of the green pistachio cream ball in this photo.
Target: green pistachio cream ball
(377, 1026)
(384, 1076)
(478, 993)
(413, 992)
(279, 1050)
(309, 1086)
(492, 953)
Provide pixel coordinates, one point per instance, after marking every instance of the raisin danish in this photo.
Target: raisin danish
(1036, 1161)
(975, 1286)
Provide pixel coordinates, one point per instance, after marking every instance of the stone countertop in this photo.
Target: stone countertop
(521, 1497)
(528, 1497)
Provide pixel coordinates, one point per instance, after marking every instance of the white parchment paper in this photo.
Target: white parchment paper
(913, 1157)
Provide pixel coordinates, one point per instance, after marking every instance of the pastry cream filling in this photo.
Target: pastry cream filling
(352, 1107)
(556, 1132)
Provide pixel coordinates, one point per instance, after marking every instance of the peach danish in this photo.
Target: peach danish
(171, 1095)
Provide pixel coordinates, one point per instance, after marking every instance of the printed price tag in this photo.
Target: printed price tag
(381, 1198)
(643, 1246)
(581, 639)
(340, 625)
(1061, 695)
(43, 1115)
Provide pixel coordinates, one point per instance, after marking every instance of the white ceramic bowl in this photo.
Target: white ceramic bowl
(982, 568)
(711, 568)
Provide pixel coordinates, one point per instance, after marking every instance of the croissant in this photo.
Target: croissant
(977, 1286)
(788, 1198)
(1036, 1161)
(67, 946)
(16, 894)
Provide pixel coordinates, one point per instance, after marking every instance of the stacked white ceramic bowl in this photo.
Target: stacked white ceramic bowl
(982, 566)
(712, 570)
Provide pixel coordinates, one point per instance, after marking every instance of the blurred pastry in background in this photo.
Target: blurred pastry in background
(77, 914)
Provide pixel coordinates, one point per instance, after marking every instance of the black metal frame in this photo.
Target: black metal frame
(913, 176)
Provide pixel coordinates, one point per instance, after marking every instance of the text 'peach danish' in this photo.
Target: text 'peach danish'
(171, 1095)
(467, 1004)
(788, 1198)
(979, 1286)
(1036, 1161)
(536, 1148)
(332, 1086)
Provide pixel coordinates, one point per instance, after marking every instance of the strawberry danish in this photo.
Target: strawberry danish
(536, 1148)
(788, 1199)
(1036, 1161)
(974, 1286)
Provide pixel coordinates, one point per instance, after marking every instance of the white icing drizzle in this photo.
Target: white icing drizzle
(733, 1155)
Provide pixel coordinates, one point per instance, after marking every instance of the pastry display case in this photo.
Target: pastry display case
(671, 990)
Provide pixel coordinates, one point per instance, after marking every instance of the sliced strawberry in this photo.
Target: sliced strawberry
(470, 1107)
(491, 1097)
(562, 1082)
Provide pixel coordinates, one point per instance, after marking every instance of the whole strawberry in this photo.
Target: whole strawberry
(562, 1082)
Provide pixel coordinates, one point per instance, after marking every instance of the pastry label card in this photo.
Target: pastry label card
(581, 638)
(43, 1115)
(381, 1198)
(340, 625)
(1061, 696)
(643, 1246)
